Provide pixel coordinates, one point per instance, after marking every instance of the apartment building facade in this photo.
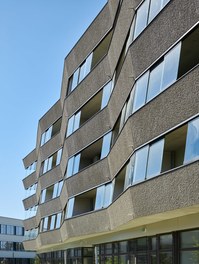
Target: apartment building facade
(11, 242)
(114, 174)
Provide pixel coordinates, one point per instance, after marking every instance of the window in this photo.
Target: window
(10, 230)
(31, 168)
(51, 192)
(141, 18)
(189, 245)
(140, 91)
(155, 7)
(129, 172)
(171, 64)
(69, 209)
(51, 131)
(19, 231)
(104, 196)
(192, 141)
(155, 158)
(155, 81)
(50, 222)
(140, 164)
(119, 183)
(106, 145)
(51, 162)
(146, 13)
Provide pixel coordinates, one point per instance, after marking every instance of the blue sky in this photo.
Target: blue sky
(35, 37)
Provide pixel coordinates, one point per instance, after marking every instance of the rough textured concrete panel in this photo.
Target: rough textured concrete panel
(30, 158)
(29, 180)
(30, 201)
(88, 178)
(52, 146)
(50, 177)
(51, 207)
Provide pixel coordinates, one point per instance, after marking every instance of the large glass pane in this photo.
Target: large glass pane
(55, 189)
(166, 241)
(88, 64)
(189, 257)
(155, 8)
(106, 145)
(129, 172)
(58, 157)
(50, 160)
(82, 71)
(59, 188)
(108, 195)
(74, 80)
(171, 63)
(45, 166)
(140, 91)
(70, 125)
(189, 239)
(76, 163)
(140, 164)
(141, 18)
(192, 141)
(106, 94)
(69, 171)
(155, 81)
(70, 206)
(155, 158)
(52, 222)
(77, 121)
(58, 220)
(99, 197)
(48, 134)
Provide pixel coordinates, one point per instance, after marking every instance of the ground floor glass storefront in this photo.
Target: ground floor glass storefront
(181, 247)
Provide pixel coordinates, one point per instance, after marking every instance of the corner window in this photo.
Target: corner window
(155, 80)
(155, 159)
(192, 141)
(140, 164)
(140, 91)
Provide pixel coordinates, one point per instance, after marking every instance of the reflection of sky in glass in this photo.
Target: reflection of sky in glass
(192, 142)
(140, 164)
(155, 158)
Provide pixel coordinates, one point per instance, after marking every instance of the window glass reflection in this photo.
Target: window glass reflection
(155, 158)
(192, 141)
(140, 164)
(155, 80)
(141, 18)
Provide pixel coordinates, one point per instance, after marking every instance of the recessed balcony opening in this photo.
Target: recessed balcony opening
(174, 148)
(97, 151)
(189, 56)
(91, 154)
(101, 50)
(119, 183)
(84, 203)
(91, 108)
(56, 127)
